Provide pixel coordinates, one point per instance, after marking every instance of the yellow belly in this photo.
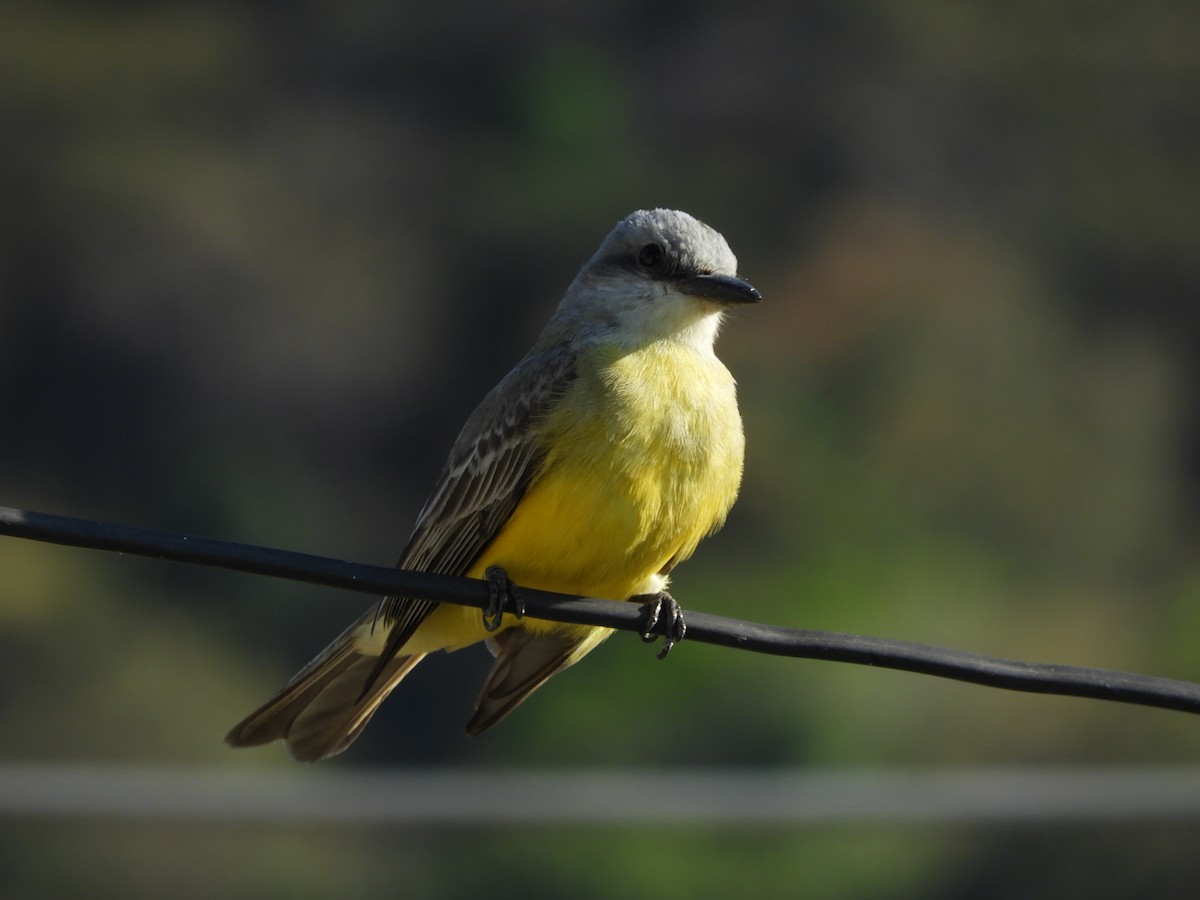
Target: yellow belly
(643, 459)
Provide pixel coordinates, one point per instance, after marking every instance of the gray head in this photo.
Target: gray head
(660, 273)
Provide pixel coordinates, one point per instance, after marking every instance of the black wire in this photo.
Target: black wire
(1045, 678)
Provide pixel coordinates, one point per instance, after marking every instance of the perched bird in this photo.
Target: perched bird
(594, 468)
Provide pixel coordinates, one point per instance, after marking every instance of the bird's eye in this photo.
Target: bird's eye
(651, 255)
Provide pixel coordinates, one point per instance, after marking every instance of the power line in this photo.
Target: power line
(1046, 678)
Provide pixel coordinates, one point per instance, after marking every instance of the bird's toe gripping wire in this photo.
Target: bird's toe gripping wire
(503, 596)
(663, 616)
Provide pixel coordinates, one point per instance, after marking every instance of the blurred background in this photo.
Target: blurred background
(258, 262)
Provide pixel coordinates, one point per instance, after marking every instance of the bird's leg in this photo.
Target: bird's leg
(502, 595)
(657, 607)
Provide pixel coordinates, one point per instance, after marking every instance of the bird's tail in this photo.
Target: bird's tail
(525, 660)
(325, 707)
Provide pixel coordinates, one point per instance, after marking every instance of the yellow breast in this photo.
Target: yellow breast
(644, 458)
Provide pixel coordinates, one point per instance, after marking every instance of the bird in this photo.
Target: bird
(593, 468)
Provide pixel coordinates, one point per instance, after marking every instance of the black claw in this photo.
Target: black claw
(502, 594)
(656, 607)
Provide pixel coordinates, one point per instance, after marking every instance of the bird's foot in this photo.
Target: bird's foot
(663, 616)
(503, 596)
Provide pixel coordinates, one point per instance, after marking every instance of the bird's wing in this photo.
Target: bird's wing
(324, 707)
(490, 466)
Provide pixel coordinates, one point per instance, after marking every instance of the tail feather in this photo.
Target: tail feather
(324, 708)
(525, 660)
(338, 714)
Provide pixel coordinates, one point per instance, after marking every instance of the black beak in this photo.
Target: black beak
(720, 289)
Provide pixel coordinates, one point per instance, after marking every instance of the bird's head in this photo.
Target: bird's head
(659, 274)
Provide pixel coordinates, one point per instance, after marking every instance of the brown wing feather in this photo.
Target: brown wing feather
(489, 469)
(327, 704)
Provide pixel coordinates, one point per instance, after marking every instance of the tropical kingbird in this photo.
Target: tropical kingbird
(594, 467)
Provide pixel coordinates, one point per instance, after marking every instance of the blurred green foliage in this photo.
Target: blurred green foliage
(258, 262)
